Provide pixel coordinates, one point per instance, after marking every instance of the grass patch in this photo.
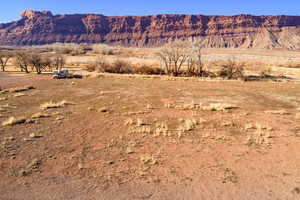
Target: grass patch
(19, 95)
(40, 115)
(15, 90)
(277, 112)
(53, 104)
(13, 121)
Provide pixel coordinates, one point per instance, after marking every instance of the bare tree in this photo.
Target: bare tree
(4, 58)
(22, 61)
(197, 49)
(173, 55)
(39, 62)
(194, 63)
(58, 61)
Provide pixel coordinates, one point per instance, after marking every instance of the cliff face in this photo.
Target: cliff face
(245, 31)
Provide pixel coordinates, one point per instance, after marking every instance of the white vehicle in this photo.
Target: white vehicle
(64, 73)
(61, 73)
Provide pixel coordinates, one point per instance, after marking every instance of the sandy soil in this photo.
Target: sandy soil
(143, 137)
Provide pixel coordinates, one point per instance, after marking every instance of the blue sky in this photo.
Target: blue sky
(10, 9)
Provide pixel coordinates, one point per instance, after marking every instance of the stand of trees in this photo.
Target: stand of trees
(37, 62)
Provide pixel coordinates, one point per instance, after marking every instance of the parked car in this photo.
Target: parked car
(64, 73)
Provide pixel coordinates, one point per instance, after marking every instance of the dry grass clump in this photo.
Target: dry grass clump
(149, 106)
(142, 129)
(13, 121)
(15, 90)
(129, 122)
(19, 95)
(219, 107)
(3, 98)
(258, 127)
(104, 49)
(138, 126)
(259, 137)
(53, 104)
(200, 106)
(148, 159)
(277, 112)
(191, 106)
(161, 129)
(3, 108)
(169, 105)
(39, 115)
(136, 113)
(187, 125)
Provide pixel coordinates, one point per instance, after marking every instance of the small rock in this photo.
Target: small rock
(103, 110)
(110, 162)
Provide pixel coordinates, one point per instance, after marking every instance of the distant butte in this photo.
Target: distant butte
(245, 31)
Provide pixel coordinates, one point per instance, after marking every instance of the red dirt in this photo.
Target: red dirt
(85, 155)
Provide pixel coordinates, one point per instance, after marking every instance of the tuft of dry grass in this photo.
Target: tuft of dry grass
(187, 125)
(35, 135)
(13, 121)
(129, 122)
(40, 115)
(161, 128)
(260, 136)
(219, 107)
(277, 112)
(142, 129)
(53, 104)
(148, 159)
(19, 95)
(15, 90)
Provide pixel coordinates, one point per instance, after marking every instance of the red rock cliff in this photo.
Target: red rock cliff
(246, 31)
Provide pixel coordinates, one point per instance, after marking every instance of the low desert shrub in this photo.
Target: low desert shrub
(69, 48)
(148, 69)
(266, 73)
(231, 70)
(103, 49)
(120, 67)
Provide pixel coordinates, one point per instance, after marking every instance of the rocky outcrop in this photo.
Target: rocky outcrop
(245, 31)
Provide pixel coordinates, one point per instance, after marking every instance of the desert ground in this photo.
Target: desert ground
(115, 136)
